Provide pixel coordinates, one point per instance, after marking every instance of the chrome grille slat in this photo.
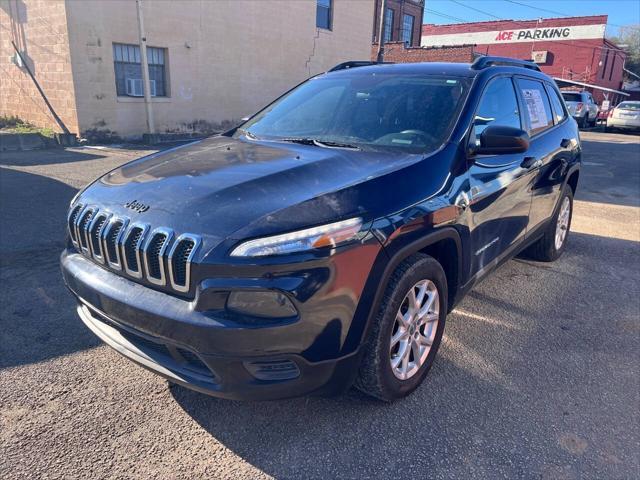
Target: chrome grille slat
(82, 229)
(71, 223)
(130, 249)
(154, 253)
(180, 258)
(111, 240)
(95, 231)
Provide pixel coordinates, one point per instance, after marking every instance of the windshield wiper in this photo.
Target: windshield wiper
(319, 143)
(248, 134)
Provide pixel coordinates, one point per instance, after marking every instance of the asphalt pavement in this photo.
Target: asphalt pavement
(538, 375)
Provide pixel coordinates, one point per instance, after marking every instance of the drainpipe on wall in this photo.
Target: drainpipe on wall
(380, 56)
(145, 75)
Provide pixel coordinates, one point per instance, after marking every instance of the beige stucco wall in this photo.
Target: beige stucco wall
(227, 58)
(39, 29)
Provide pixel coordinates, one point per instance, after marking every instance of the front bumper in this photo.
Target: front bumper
(207, 352)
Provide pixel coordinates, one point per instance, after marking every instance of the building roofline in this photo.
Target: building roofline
(511, 20)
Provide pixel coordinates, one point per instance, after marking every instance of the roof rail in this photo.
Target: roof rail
(489, 61)
(354, 64)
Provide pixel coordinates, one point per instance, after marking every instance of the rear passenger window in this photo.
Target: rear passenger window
(498, 106)
(536, 105)
(557, 102)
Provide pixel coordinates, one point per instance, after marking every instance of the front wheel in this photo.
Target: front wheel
(554, 240)
(406, 334)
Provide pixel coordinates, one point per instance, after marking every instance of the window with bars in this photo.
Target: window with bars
(128, 70)
(407, 29)
(323, 14)
(388, 25)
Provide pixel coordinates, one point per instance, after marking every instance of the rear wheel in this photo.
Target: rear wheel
(407, 332)
(554, 240)
(583, 121)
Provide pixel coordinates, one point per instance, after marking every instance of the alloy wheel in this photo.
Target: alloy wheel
(414, 329)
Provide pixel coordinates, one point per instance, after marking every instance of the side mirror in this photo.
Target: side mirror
(496, 140)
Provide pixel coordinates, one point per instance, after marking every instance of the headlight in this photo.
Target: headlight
(330, 235)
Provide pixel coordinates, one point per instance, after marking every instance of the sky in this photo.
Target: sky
(621, 12)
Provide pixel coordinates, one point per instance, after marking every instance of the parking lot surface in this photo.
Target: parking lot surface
(538, 375)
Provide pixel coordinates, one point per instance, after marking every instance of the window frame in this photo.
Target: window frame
(556, 92)
(524, 114)
(413, 23)
(164, 65)
(471, 135)
(329, 8)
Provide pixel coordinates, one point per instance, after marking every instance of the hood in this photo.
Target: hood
(223, 185)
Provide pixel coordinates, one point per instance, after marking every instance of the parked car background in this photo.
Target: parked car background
(582, 107)
(625, 116)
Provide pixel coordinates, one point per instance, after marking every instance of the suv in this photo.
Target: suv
(582, 108)
(322, 242)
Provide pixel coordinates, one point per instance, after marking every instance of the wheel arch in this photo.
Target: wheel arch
(572, 180)
(439, 244)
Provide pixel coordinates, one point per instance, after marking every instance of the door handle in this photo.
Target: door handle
(565, 143)
(529, 162)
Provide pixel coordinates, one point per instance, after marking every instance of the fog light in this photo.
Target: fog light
(261, 304)
(276, 370)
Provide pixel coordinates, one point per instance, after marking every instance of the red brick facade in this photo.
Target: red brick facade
(400, 8)
(593, 60)
(397, 52)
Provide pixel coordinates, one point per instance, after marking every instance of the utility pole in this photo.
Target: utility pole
(145, 70)
(380, 56)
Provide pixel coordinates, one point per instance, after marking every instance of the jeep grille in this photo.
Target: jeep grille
(134, 248)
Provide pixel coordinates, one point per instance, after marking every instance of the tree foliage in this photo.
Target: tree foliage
(629, 38)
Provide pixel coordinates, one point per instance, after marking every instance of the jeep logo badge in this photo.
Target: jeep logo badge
(137, 206)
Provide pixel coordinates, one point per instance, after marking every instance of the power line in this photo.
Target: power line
(444, 15)
(553, 11)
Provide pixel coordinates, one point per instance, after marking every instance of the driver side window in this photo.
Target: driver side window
(498, 106)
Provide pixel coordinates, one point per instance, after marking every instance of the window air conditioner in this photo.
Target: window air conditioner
(134, 87)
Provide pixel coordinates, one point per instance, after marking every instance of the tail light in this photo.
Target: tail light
(579, 106)
(610, 113)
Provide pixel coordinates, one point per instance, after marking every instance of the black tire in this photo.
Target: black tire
(583, 121)
(375, 376)
(544, 250)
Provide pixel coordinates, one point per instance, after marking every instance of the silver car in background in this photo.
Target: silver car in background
(625, 116)
(582, 107)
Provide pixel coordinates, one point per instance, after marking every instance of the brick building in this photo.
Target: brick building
(573, 50)
(402, 21)
(398, 52)
(210, 62)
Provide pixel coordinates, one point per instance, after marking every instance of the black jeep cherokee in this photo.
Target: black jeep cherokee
(322, 242)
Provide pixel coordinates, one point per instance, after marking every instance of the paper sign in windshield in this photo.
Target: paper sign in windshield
(537, 113)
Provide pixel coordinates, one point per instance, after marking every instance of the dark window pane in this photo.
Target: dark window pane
(156, 74)
(407, 29)
(127, 68)
(557, 102)
(572, 97)
(388, 25)
(537, 106)
(323, 14)
(499, 106)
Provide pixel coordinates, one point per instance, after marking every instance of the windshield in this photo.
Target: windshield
(572, 97)
(629, 105)
(408, 112)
